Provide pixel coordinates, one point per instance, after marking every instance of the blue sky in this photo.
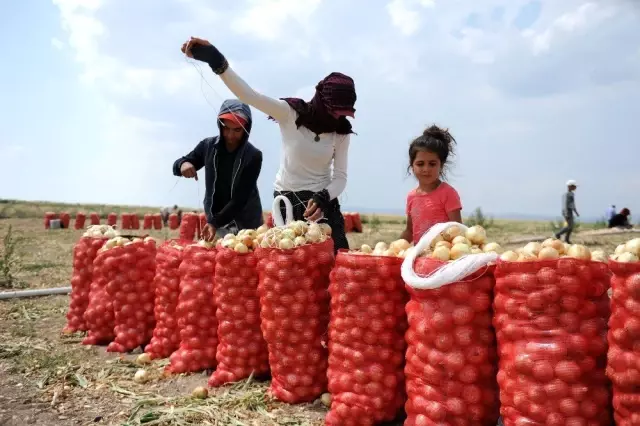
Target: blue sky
(97, 101)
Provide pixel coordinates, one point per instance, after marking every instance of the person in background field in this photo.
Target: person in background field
(433, 201)
(166, 211)
(621, 220)
(315, 139)
(568, 210)
(231, 169)
(611, 211)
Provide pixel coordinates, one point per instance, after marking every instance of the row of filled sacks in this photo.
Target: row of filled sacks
(547, 365)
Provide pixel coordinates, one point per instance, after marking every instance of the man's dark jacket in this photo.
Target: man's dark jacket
(244, 210)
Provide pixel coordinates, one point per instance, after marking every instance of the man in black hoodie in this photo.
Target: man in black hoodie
(231, 168)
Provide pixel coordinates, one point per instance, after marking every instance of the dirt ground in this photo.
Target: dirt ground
(47, 378)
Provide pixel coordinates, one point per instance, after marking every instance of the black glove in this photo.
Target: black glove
(323, 200)
(211, 56)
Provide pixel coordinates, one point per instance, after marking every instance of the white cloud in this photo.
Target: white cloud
(265, 19)
(404, 16)
(55, 42)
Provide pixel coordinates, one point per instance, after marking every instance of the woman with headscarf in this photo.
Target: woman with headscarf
(315, 138)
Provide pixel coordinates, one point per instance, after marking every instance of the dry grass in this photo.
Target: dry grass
(48, 378)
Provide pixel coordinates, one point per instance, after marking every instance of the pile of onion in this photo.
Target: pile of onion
(628, 252)
(295, 234)
(552, 248)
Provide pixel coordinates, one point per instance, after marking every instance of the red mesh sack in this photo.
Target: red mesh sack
(294, 312)
(348, 222)
(196, 312)
(551, 324)
(366, 340)
(157, 221)
(48, 216)
(81, 218)
(189, 226)
(99, 316)
(126, 221)
(65, 220)
(166, 335)
(94, 218)
(203, 223)
(112, 219)
(173, 221)
(147, 222)
(357, 222)
(242, 351)
(451, 359)
(131, 289)
(624, 343)
(84, 253)
(135, 221)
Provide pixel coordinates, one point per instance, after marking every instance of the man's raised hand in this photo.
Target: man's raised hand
(187, 170)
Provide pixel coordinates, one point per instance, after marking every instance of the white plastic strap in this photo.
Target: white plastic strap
(277, 214)
(451, 272)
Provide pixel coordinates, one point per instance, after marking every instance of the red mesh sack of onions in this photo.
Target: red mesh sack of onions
(94, 218)
(624, 334)
(294, 263)
(99, 316)
(84, 253)
(166, 335)
(551, 310)
(366, 338)
(451, 359)
(196, 311)
(131, 290)
(242, 351)
(189, 226)
(112, 219)
(147, 221)
(157, 221)
(81, 218)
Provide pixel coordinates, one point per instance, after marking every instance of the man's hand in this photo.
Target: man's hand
(209, 232)
(187, 170)
(186, 46)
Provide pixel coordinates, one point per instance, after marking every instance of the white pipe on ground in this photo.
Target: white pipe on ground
(34, 293)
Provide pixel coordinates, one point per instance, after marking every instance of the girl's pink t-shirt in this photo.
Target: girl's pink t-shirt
(426, 210)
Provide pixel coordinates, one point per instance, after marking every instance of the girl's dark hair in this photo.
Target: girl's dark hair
(625, 212)
(434, 139)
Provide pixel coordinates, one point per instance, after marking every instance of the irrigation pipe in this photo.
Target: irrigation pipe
(34, 293)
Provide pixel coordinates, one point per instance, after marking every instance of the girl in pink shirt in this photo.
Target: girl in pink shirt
(433, 201)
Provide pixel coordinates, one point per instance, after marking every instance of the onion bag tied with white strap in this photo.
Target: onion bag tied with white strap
(294, 263)
(451, 359)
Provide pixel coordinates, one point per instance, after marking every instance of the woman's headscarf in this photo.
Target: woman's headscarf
(336, 93)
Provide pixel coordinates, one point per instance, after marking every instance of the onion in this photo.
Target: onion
(579, 252)
(441, 253)
(200, 392)
(443, 243)
(326, 229)
(598, 256)
(476, 250)
(436, 240)
(532, 248)
(399, 245)
(365, 249)
(451, 233)
(548, 253)
(326, 399)
(381, 246)
(509, 256)
(461, 240)
(286, 244)
(141, 376)
(555, 243)
(492, 247)
(262, 229)
(527, 257)
(633, 246)
(241, 248)
(459, 250)
(143, 359)
(299, 241)
(626, 257)
(621, 249)
(476, 234)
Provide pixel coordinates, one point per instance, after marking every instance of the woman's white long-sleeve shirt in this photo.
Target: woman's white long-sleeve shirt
(305, 165)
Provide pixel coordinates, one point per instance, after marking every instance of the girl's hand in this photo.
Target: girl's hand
(313, 213)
